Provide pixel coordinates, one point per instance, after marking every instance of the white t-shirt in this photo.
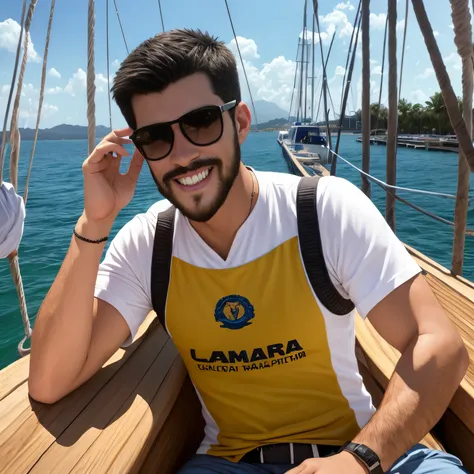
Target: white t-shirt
(366, 262)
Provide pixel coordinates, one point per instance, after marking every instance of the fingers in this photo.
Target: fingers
(105, 148)
(121, 132)
(301, 469)
(135, 167)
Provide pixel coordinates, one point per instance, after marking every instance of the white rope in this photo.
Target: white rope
(15, 270)
(10, 95)
(14, 132)
(91, 77)
(388, 189)
(108, 61)
(41, 97)
(399, 188)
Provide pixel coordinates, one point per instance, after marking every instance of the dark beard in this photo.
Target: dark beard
(224, 184)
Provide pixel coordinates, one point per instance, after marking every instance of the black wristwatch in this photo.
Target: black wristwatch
(365, 455)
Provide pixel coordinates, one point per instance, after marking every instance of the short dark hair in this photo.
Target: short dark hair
(170, 56)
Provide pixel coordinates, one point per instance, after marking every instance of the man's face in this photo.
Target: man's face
(196, 179)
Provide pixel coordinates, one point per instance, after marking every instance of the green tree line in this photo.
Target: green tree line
(431, 117)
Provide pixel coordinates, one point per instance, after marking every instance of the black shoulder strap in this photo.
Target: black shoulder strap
(161, 262)
(311, 248)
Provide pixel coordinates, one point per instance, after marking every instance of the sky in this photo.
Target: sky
(267, 33)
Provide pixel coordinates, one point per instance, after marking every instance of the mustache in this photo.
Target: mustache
(194, 165)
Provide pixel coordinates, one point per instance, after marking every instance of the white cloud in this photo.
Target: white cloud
(248, 48)
(54, 73)
(272, 82)
(9, 36)
(54, 90)
(343, 6)
(451, 26)
(116, 63)
(436, 33)
(340, 71)
(309, 36)
(337, 20)
(427, 73)
(377, 21)
(101, 82)
(76, 82)
(400, 25)
(4, 90)
(373, 61)
(377, 71)
(453, 61)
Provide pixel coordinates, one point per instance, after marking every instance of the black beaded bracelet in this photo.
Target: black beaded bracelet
(80, 237)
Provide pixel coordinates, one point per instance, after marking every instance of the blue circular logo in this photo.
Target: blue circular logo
(234, 312)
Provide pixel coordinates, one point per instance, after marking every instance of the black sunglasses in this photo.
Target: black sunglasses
(202, 127)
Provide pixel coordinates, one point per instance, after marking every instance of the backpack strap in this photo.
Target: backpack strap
(161, 262)
(311, 248)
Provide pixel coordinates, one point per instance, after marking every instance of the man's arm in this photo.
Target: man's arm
(433, 362)
(74, 333)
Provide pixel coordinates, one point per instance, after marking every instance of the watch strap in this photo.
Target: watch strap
(366, 455)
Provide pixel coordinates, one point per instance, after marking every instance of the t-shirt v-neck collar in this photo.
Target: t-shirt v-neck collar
(211, 255)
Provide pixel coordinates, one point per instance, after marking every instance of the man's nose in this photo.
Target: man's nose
(183, 151)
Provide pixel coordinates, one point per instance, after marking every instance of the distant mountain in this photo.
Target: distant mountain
(267, 111)
(62, 132)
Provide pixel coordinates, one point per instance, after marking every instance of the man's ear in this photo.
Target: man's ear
(243, 121)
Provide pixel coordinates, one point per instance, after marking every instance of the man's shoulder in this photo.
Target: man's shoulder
(140, 229)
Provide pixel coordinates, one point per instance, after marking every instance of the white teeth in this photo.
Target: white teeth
(190, 180)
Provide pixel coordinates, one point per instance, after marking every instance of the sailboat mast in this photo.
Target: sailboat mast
(312, 73)
(302, 60)
(306, 78)
(366, 95)
(392, 132)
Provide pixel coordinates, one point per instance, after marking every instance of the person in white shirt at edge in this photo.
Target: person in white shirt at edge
(238, 288)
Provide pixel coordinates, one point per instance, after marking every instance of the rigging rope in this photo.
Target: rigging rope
(41, 97)
(294, 82)
(91, 77)
(461, 17)
(14, 132)
(121, 27)
(403, 48)
(10, 95)
(242, 61)
(388, 188)
(161, 15)
(351, 44)
(108, 61)
(382, 71)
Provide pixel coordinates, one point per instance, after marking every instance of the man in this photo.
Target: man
(272, 366)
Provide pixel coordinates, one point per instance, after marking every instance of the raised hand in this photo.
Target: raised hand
(106, 190)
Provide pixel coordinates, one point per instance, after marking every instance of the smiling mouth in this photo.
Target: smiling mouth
(194, 179)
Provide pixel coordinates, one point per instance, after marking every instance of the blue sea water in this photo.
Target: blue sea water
(55, 202)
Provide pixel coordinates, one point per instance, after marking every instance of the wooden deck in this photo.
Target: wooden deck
(140, 414)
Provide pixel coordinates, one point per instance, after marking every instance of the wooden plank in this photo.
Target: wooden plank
(13, 375)
(100, 431)
(171, 449)
(17, 372)
(320, 168)
(16, 407)
(454, 432)
(30, 435)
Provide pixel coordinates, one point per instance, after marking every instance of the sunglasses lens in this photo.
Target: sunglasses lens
(156, 141)
(203, 126)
